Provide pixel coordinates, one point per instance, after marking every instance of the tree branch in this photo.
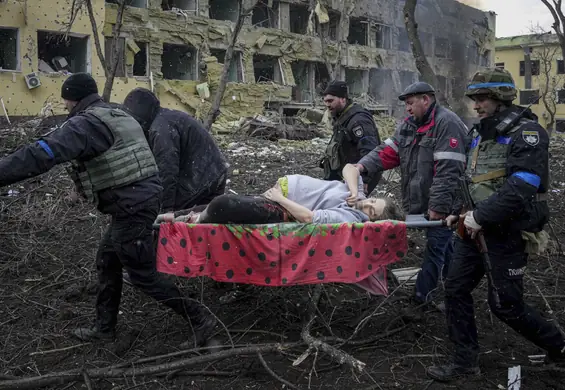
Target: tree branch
(112, 67)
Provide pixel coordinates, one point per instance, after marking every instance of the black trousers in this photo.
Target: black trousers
(128, 243)
(508, 265)
(242, 209)
(217, 188)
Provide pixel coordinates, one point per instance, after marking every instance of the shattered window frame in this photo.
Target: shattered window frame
(364, 26)
(383, 36)
(141, 44)
(297, 8)
(194, 70)
(84, 40)
(560, 125)
(237, 61)
(16, 31)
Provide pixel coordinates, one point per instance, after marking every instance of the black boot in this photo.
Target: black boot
(93, 334)
(451, 371)
(202, 332)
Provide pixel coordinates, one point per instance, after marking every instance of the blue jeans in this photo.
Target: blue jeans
(437, 255)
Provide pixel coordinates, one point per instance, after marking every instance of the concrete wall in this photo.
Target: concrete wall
(384, 72)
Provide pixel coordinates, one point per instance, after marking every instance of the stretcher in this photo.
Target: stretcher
(287, 254)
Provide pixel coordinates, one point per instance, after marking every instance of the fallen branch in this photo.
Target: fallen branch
(273, 374)
(107, 372)
(58, 350)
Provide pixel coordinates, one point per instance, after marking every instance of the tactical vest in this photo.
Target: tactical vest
(128, 160)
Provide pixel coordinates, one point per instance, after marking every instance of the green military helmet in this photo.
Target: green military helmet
(496, 83)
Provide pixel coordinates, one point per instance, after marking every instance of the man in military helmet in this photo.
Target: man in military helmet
(429, 148)
(114, 169)
(508, 164)
(354, 133)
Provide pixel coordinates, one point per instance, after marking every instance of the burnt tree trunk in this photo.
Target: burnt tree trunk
(558, 21)
(215, 109)
(422, 64)
(110, 65)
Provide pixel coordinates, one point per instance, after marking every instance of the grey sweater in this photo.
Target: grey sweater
(327, 199)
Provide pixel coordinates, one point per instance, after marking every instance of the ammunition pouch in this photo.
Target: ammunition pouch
(331, 161)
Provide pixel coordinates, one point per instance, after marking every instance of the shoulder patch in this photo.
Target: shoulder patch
(531, 137)
(453, 142)
(358, 131)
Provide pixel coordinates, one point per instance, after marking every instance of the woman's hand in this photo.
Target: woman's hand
(352, 199)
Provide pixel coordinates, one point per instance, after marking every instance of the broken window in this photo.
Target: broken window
(299, 17)
(235, 73)
(179, 62)
(560, 67)
(141, 59)
(223, 10)
(329, 30)
(321, 77)
(529, 96)
(534, 64)
(358, 32)
(442, 47)
(499, 65)
(191, 6)
(109, 55)
(403, 41)
(355, 82)
(304, 79)
(560, 125)
(406, 78)
(59, 53)
(560, 96)
(267, 69)
(9, 56)
(383, 36)
(131, 3)
(265, 15)
(380, 84)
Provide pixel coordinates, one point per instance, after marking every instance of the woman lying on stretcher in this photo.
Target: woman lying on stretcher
(296, 198)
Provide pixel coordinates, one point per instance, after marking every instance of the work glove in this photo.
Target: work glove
(471, 224)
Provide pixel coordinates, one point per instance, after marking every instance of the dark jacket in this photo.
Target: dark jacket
(191, 165)
(514, 206)
(431, 156)
(82, 137)
(356, 134)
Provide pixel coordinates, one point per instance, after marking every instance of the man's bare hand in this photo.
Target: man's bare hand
(436, 216)
(168, 217)
(452, 220)
(274, 194)
(352, 199)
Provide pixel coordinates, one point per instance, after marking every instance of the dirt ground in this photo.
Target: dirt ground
(47, 288)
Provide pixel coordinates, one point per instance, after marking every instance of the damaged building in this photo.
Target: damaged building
(284, 56)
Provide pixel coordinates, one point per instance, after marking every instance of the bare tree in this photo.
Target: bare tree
(554, 7)
(422, 64)
(110, 66)
(215, 109)
(549, 82)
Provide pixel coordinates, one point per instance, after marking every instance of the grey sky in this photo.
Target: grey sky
(515, 17)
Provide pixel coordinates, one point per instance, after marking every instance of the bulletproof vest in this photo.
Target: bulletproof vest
(128, 160)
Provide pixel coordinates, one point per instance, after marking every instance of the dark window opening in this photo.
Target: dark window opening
(442, 47)
(529, 96)
(191, 6)
(302, 91)
(560, 125)
(561, 96)
(403, 41)
(329, 30)
(354, 78)
(57, 53)
(499, 65)
(534, 64)
(179, 62)
(109, 55)
(9, 58)
(560, 67)
(299, 17)
(358, 32)
(264, 15)
(141, 59)
(223, 10)
(235, 73)
(383, 38)
(321, 77)
(266, 69)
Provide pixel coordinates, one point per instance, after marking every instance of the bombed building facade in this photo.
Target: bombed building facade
(176, 48)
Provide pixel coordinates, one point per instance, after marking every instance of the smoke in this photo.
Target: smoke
(480, 4)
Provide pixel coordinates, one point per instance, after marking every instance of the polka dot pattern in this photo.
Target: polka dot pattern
(339, 253)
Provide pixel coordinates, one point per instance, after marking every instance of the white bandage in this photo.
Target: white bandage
(470, 222)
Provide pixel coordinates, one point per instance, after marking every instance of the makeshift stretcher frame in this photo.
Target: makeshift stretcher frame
(286, 254)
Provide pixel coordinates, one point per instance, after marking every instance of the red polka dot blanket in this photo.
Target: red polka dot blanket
(282, 254)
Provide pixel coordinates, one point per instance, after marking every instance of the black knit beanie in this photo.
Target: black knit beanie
(78, 86)
(143, 105)
(336, 88)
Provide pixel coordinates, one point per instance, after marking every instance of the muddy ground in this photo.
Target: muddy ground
(47, 288)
